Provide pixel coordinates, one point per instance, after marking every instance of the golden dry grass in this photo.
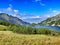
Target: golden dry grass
(10, 38)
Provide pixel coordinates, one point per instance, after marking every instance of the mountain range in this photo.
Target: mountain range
(11, 19)
(52, 21)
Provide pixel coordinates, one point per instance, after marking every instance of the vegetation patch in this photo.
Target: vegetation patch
(10, 38)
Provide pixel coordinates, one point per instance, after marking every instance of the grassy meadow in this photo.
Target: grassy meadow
(10, 38)
(19, 35)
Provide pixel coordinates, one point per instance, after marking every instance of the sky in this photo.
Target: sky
(32, 11)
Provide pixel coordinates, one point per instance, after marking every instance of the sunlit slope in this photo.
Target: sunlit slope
(52, 21)
(10, 38)
(2, 27)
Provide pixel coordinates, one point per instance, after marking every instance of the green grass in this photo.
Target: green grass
(2, 27)
(10, 38)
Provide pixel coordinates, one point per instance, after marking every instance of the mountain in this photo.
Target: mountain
(52, 21)
(11, 19)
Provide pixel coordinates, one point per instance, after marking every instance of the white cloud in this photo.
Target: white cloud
(42, 4)
(15, 15)
(31, 17)
(16, 11)
(48, 16)
(35, 17)
(9, 10)
(53, 12)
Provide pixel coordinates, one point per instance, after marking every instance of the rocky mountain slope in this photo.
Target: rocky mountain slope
(52, 21)
(11, 19)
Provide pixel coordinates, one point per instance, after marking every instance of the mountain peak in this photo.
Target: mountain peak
(11, 19)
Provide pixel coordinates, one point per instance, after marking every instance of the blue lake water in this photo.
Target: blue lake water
(49, 27)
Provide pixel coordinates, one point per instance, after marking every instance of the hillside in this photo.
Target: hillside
(2, 27)
(53, 21)
(11, 19)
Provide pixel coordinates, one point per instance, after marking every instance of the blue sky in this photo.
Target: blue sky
(32, 11)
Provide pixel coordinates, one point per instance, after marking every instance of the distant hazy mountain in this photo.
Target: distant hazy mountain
(11, 19)
(53, 21)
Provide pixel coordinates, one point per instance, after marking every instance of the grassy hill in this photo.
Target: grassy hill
(10, 38)
(2, 27)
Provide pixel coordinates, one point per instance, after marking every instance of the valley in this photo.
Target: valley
(14, 34)
(29, 22)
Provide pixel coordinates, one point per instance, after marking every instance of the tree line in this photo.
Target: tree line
(27, 29)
